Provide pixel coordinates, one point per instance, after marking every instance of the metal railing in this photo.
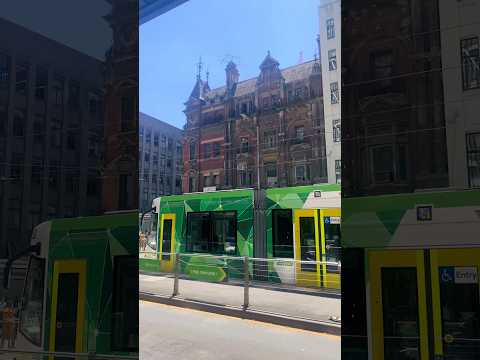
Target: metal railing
(26, 354)
(244, 271)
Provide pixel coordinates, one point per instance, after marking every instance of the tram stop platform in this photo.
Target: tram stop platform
(308, 309)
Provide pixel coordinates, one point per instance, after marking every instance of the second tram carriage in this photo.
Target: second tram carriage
(296, 229)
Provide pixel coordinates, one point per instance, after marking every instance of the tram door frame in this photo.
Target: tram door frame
(167, 262)
(453, 257)
(378, 259)
(77, 266)
(330, 280)
(439, 257)
(307, 278)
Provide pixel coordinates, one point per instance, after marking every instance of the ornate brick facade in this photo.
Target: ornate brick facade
(269, 128)
(120, 184)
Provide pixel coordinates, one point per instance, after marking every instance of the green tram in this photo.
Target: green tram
(420, 254)
(80, 292)
(282, 224)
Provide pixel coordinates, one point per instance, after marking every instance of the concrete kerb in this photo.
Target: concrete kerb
(334, 294)
(249, 314)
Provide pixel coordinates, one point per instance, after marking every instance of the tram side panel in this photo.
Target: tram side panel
(216, 223)
(429, 243)
(297, 233)
(92, 285)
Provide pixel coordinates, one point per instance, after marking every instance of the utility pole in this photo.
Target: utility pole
(258, 152)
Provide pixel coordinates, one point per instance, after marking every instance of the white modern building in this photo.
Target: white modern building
(460, 31)
(330, 55)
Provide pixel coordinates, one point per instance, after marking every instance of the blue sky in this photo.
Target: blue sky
(171, 44)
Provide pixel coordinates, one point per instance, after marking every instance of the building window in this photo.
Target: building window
(206, 180)
(216, 180)
(382, 164)
(382, 69)
(330, 29)
(275, 100)
(338, 171)
(299, 133)
(207, 151)
(282, 233)
(216, 150)
(244, 108)
(4, 70)
(270, 139)
(473, 159)
(298, 93)
(127, 113)
(155, 139)
(300, 174)
(244, 145)
(192, 151)
(191, 184)
(334, 92)
(213, 232)
(148, 137)
(332, 60)
(243, 177)
(470, 63)
(266, 102)
(337, 135)
(271, 174)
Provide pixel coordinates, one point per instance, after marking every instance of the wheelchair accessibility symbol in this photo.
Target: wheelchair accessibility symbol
(447, 274)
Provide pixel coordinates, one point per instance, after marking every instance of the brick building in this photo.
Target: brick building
(120, 178)
(268, 129)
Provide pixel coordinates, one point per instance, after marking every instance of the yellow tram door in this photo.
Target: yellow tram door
(167, 242)
(67, 306)
(397, 305)
(455, 303)
(307, 248)
(330, 245)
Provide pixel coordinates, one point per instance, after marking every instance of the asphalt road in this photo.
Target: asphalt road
(171, 333)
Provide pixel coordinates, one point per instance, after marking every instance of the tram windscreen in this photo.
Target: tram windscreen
(32, 307)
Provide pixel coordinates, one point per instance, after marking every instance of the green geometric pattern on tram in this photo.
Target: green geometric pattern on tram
(97, 240)
(391, 219)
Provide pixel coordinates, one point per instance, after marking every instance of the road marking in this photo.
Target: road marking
(253, 322)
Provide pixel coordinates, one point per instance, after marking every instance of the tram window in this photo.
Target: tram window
(224, 238)
(282, 233)
(167, 239)
(212, 232)
(332, 242)
(307, 243)
(125, 304)
(198, 232)
(400, 313)
(460, 311)
(32, 307)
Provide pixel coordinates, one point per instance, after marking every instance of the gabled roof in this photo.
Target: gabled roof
(290, 74)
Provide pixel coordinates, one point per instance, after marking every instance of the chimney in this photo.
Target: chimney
(232, 75)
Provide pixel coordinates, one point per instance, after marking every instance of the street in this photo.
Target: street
(171, 333)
